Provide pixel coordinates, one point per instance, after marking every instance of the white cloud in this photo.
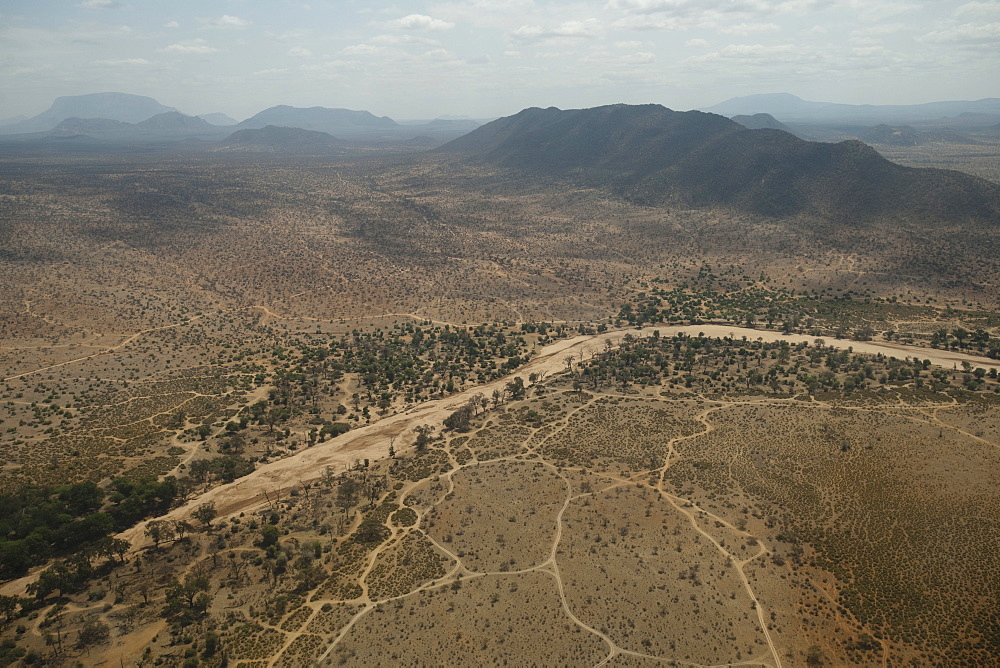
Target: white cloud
(967, 33)
(628, 45)
(756, 55)
(395, 40)
(225, 21)
(299, 51)
(124, 61)
(421, 22)
(171, 24)
(588, 29)
(20, 71)
(361, 50)
(981, 10)
(99, 4)
(876, 11)
(190, 46)
(438, 54)
(749, 28)
(689, 7)
(757, 51)
(696, 43)
(640, 58)
(267, 72)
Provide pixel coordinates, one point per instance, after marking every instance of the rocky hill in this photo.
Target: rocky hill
(655, 155)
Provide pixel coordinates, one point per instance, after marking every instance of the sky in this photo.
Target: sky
(489, 58)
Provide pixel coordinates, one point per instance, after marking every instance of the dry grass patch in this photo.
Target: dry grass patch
(400, 569)
(897, 509)
(500, 516)
(622, 432)
(490, 620)
(635, 569)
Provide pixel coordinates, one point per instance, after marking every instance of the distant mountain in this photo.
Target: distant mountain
(340, 122)
(113, 106)
(967, 120)
(277, 139)
(761, 122)
(91, 127)
(168, 127)
(791, 109)
(218, 118)
(766, 122)
(655, 155)
(174, 121)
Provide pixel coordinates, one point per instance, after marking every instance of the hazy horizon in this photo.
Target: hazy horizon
(485, 59)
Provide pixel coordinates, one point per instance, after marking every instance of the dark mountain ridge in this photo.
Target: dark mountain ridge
(654, 155)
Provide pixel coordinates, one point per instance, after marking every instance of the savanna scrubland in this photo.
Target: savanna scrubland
(172, 327)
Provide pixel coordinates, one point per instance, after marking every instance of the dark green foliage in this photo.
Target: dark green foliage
(371, 531)
(459, 420)
(9, 652)
(136, 499)
(269, 535)
(38, 522)
(226, 468)
(335, 429)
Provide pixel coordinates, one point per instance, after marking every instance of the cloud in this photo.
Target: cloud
(756, 55)
(628, 45)
(981, 10)
(361, 50)
(640, 58)
(190, 46)
(299, 52)
(696, 43)
(100, 4)
(749, 28)
(421, 22)
(570, 30)
(226, 22)
(690, 7)
(267, 72)
(171, 24)
(875, 11)
(967, 33)
(758, 51)
(125, 61)
(20, 71)
(438, 54)
(395, 40)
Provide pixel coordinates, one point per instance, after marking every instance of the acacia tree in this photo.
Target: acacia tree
(159, 531)
(347, 493)
(459, 420)
(423, 432)
(205, 513)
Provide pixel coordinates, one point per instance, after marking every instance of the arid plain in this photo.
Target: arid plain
(397, 409)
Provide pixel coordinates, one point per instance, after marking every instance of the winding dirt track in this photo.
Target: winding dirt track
(273, 480)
